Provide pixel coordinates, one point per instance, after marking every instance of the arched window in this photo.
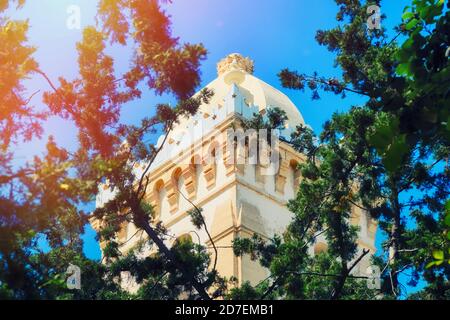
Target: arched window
(213, 154)
(176, 178)
(197, 164)
(158, 191)
(213, 158)
(175, 190)
(210, 161)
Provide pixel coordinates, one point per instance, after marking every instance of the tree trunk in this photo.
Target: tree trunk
(395, 238)
(344, 269)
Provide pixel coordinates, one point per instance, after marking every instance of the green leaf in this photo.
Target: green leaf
(411, 24)
(430, 264)
(428, 13)
(385, 129)
(403, 69)
(407, 15)
(408, 44)
(438, 254)
(447, 220)
(394, 155)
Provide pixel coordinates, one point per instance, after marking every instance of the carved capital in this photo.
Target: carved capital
(172, 197)
(210, 175)
(190, 181)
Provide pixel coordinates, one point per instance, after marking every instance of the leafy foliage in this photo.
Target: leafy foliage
(41, 201)
(386, 157)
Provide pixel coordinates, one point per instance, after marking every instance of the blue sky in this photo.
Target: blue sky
(275, 33)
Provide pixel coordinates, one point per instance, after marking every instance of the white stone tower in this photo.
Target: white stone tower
(237, 200)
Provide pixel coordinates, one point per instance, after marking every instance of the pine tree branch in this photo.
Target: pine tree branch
(204, 226)
(142, 222)
(338, 290)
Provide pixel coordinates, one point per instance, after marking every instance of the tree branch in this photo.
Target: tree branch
(204, 226)
(337, 292)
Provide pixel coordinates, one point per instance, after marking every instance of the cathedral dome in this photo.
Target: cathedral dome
(236, 91)
(237, 70)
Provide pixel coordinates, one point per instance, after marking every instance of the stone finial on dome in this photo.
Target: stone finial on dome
(235, 62)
